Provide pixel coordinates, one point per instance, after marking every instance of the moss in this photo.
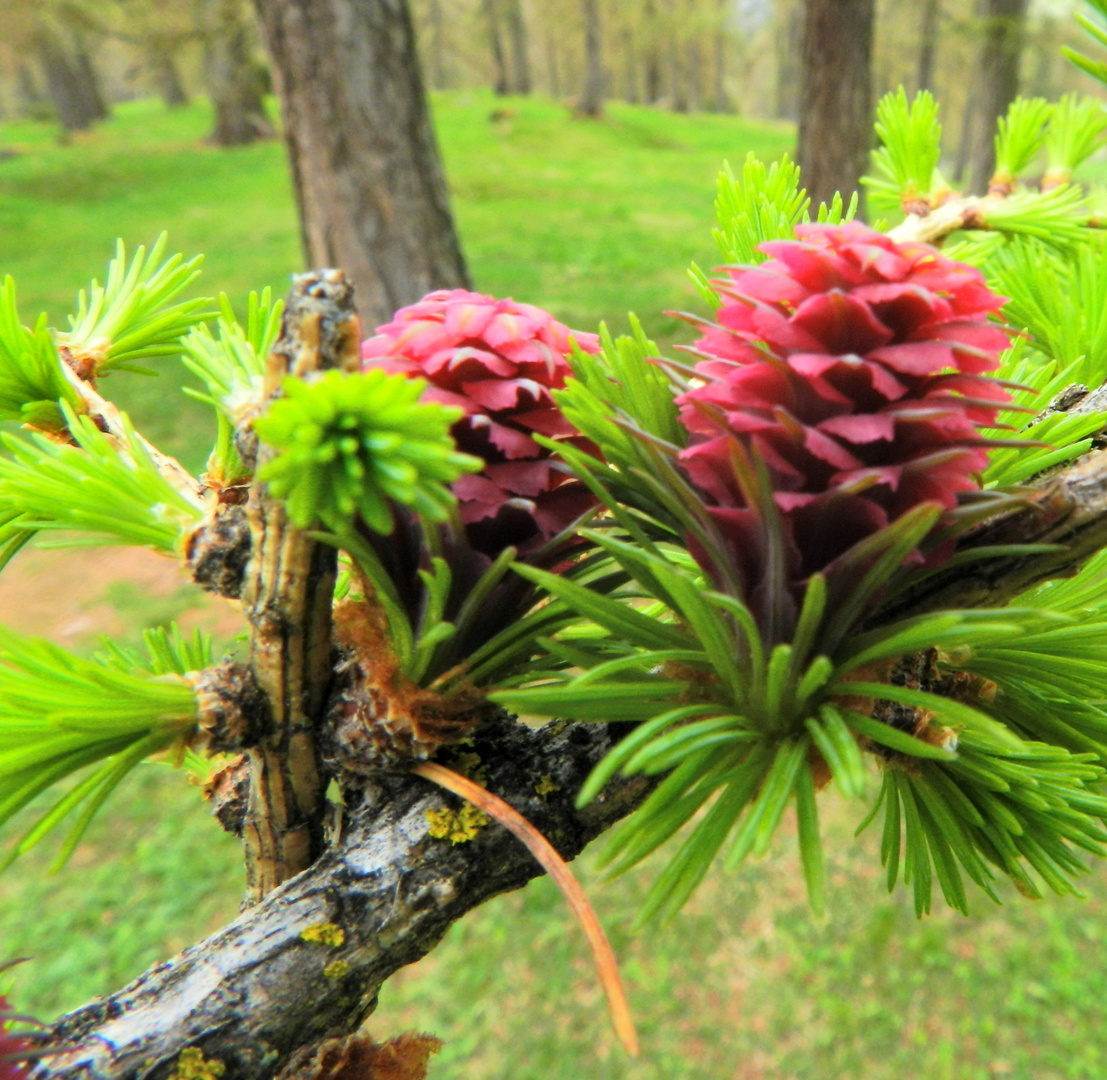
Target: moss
(337, 969)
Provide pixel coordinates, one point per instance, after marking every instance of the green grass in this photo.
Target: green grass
(589, 220)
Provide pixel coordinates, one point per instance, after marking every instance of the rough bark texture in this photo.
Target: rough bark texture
(591, 100)
(236, 81)
(995, 82)
(254, 992)
(287, 595)
(365, 166)
(835, 125)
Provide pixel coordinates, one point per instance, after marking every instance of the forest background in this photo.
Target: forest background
(114, 118)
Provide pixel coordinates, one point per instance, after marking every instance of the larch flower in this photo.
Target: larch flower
(497, 361)
(854, 369)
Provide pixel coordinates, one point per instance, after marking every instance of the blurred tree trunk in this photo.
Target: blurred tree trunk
(995, 82)
(163, 66)
(552, 66)
(437, 45)
(591, 101)
(651, 62)
(365, 166)
(30, 98)
(788, 39)
(722, 102)
(835, 122)
(630, 68)
(520, 54)
(499, 60)
(236, 80)
(928, 44)
(70, 80)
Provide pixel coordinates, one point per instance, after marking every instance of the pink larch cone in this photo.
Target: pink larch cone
(498, 361)
(853, 368)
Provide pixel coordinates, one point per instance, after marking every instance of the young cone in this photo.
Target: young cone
(854, 369)
(498, 361)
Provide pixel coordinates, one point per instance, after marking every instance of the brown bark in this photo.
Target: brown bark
(995, 82)
(369, 184)
(236, 80)
(835, 125)
(591, 101)
(287, 595)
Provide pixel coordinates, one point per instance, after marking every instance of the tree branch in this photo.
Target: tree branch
(1071, 512)
(256, 991)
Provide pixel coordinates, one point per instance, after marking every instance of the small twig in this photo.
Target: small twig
(107, 417)
(606, 964)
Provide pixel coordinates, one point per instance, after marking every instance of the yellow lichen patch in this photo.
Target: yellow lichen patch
(337, 969)
(546, 784)
(468, 763)
(324, 933)
(192, 1066)
(457, 826)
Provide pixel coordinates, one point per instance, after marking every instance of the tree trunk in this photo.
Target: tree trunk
(437, 46)
(630, 70)
(236, 80)
(552, 65)
(693, 73)
(30, 98)
(520, 56)
(591, 101)
(651, 60)
(722, 101)
(928, 44)
(994, 86)
(365, 167)
(788, 39)
(70, 81)
(163, 66)
(835, 96)
(499, 58)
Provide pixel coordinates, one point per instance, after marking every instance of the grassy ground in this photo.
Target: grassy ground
(590, 220)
